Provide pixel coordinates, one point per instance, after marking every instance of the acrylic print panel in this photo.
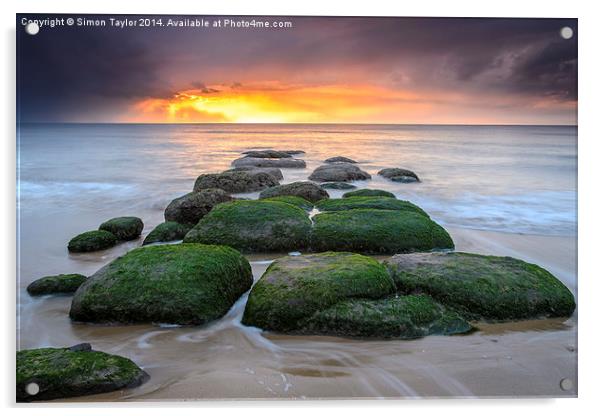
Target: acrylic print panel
(226, 207)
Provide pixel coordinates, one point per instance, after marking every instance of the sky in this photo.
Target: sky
(320, 70)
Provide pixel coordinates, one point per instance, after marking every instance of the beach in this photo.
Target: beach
(506, 191)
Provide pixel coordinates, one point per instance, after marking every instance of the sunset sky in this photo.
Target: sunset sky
(322, 70)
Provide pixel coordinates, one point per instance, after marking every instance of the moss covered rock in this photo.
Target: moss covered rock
(274, 172)
(235, 182)
(307, 190)
(363, 202)
(124, 228)
(369, 192)
(254, 226)
(377, 231)
(167, 231)
(188, 284)
(483, 287)
(92, 241)
(337, 185)
(401, 317)
(294, 288)
(293, 200)
(261, 162)
(75, 371)
(61, 283)
(339, 172)
(339, 159)
(399, 175)
(190, 208)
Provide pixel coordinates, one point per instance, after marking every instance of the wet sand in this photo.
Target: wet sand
(226, 360)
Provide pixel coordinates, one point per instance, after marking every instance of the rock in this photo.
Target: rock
(293, 200)
(294, 152)
(337, 185)
(61, 283)
(399, 175)
(186, 284)
(65, 372)
(254, 226)
(368, 192)
(167, 231)
(275, 172)
(339, 159)
(268, 163)
(483, 287)
(124, 228)
(92, 241)
(338, 172)
(364, 202)
(190, 208)
(342, 294)
(289, 152)
(276, 154)
(377, 231)
(306, 190)
(235, 182)
(84, 346)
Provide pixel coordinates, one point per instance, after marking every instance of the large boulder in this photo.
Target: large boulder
(269, 153)
(186, 284)
(167, 231)
(339, 159)
(75, 371)
(483, 287)
(338, 172)
(363, 202)
(124, 228)
(337, 185)
(274, 172)
(190, 208)
(58, 284)
(399, 175)
(369, 192)
(342, 294)
(254, 226)
(377, 231)
(306, 190)
(260, 162)
(294, 200)
(235, 182)
(92, 241)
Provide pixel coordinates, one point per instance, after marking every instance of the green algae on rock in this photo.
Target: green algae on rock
(167, 231)
(337, 185)
(186, 284)
(293, 200)
(294, 288)
(92, 241)
(377, 231)
(75, 371)
(190, 208)
(368, 192)
(124, 228)
(61, 283)
(306, 190)
(254, 226)
(365, 202)
(483, 287)
(235, 182)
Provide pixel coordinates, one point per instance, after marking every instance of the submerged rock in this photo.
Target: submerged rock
(268, 162)
(342, 294)
(377, 231)
(306, 190)
(293, 200)
(124, 228)
(276, 154)
(235, 182)
(167, 231)
(369, 192)
(339, 172)
(483, 287)
(61, 283)
(254, 226)
(399, 175)
(363, 202)
(69, 372)
(190, 208)
(337, 185)
(92, 241)
(339, 159)
(274, 172)
(186, 284)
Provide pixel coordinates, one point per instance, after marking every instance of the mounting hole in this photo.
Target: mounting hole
(32, 28)
(566, 32)
(566, 384)
(32, 389)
